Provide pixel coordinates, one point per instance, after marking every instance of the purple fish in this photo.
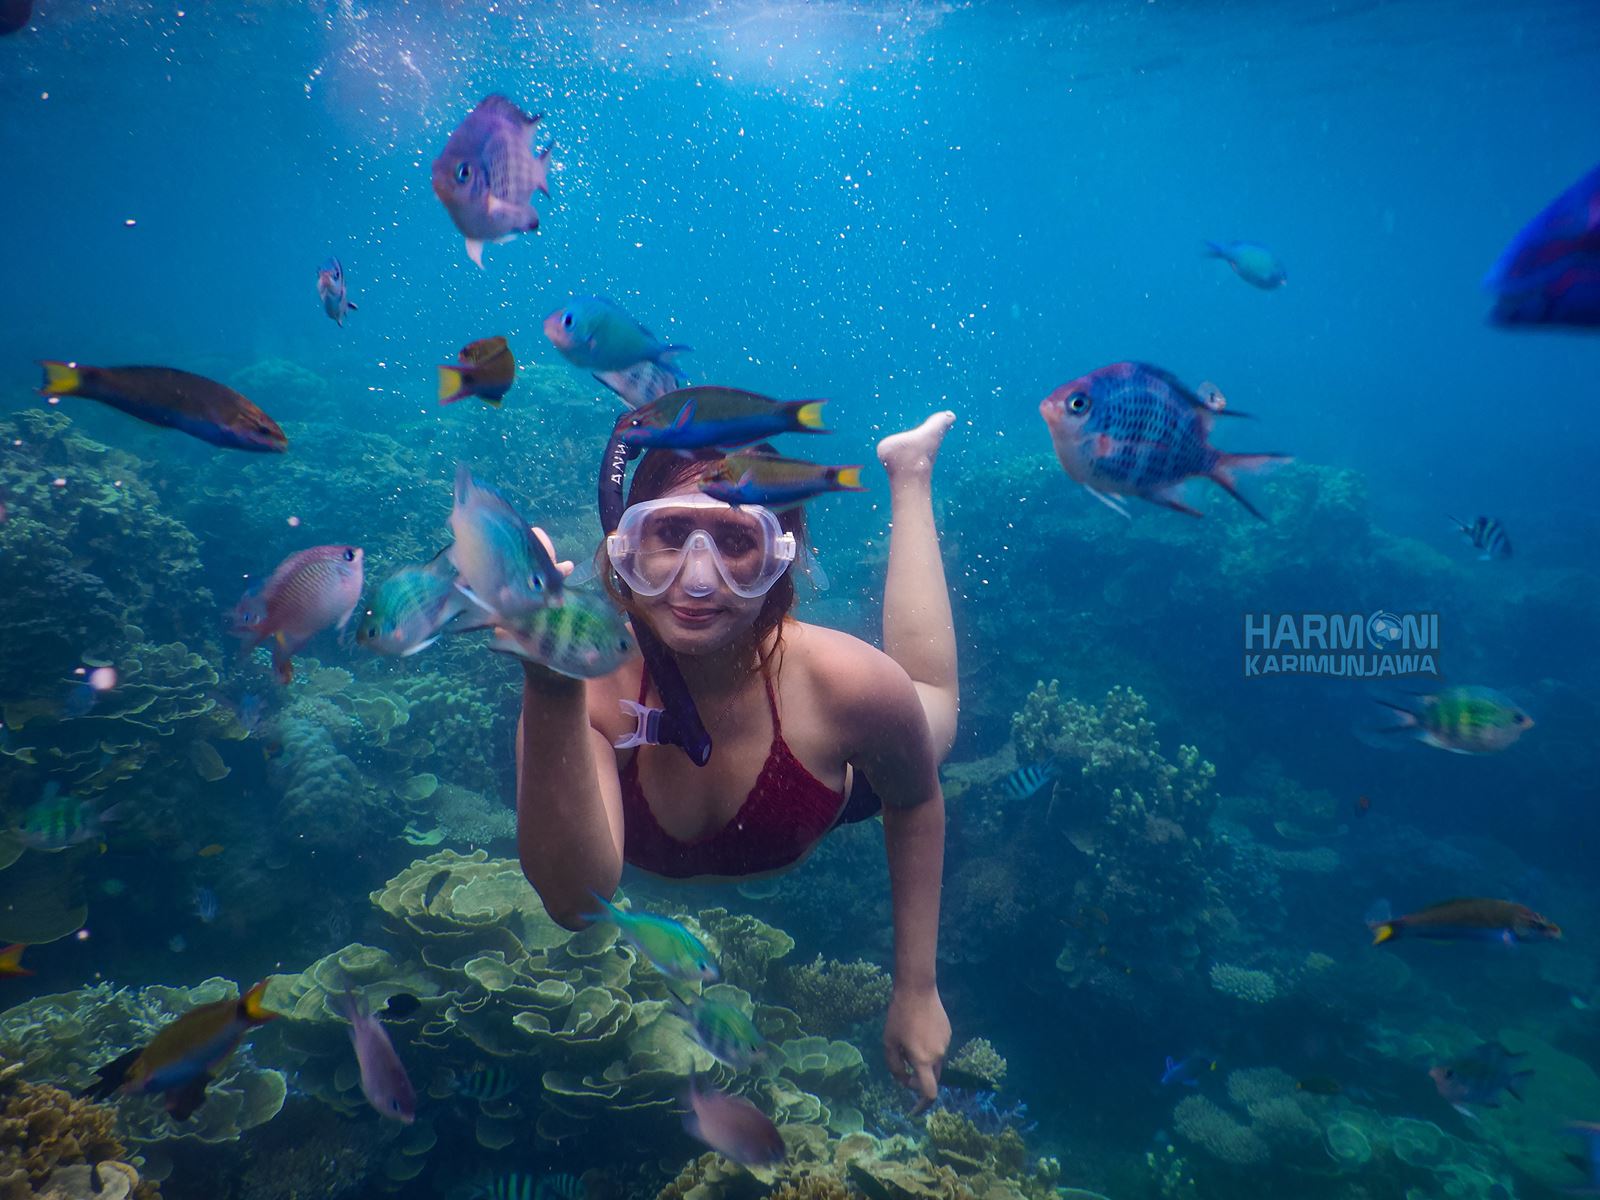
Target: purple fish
(330, 286)
(1131, 429)
(313, 590)
(1550, 274)
(734, 1128)
(488, 173)
(384, 1081)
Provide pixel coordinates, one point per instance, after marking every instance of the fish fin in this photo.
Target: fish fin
(475, 251)
(492, 401)
(452, 384)
(1459, 524)
(464, 484)
(685, 416)
(420, 646)
(111, 1076)
(501, 106)
(1223, 471)
(1409, 720)
(1115, 503)
(1167, 501)
(608, 911)
(1465, 1111)
(849, 478)
(1382, 933)
(1213, 250)
(183, 1101)
(60, 379)
(282, 659)
(11, 960)
(352, 306)
(476, 600)
(250, 1005)
(808, 415)
(674, 348)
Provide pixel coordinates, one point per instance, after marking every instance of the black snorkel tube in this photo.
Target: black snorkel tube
(677, 723)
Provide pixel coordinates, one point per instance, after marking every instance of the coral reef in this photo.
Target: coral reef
(45, 1132)
(979, 1057)
(1222, 1136)
(1243, 983)
(831, 996)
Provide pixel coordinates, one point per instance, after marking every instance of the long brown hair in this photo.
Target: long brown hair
(661, 472)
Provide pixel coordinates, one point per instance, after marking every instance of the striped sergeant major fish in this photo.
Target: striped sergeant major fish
(1487, 535)
(1026, 782)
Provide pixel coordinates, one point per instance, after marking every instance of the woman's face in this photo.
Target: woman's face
(699, 613)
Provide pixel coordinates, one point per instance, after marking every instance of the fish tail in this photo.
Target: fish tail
(250, 1006)
(608, 911)
(1213, 250)
(282, 660)
(111, 1076)
(1227, 466)
(452, 384)
(60, 379)
(1382, 932)
(1408, 719)
(808, 414)
(11, 960)
(848, 478)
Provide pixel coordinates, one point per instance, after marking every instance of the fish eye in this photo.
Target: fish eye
(1078, 402)
(349, 554)
(463, 172)
(566, 321)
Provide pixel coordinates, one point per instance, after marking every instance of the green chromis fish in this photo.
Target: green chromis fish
(1463, 720)
(185, 1055)
(55, 822)
(1254, 264)
(596, 334)
(584, 638)
(775, 482)
(198, 406)
(411, 608)
(722, 1031)
(486, 370)
(671, 948)
(504, 569)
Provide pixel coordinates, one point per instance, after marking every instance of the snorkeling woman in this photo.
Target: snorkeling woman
(802, 716)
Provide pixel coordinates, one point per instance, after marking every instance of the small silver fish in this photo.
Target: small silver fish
(330, 286)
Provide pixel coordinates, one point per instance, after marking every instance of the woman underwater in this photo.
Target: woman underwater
(799, 713)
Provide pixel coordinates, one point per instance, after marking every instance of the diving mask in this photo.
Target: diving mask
(705, 541)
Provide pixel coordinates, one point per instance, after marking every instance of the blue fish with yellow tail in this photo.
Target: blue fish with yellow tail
(696, 418)
(185, 1055)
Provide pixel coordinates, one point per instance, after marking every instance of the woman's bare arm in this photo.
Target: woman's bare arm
(892, 745)
(569, 800)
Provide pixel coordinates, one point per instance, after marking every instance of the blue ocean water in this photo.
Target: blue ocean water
(901, 208)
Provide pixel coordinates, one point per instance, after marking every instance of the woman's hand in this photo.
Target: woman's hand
(915, 1038)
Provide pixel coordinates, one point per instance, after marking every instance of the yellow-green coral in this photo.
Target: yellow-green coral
(830, 996)
(44, 1129)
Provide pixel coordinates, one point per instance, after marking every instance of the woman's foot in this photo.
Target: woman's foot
(911, 453)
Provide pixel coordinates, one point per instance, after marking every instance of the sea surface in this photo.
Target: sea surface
(900, 208)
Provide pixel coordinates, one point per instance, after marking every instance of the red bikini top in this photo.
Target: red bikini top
(786, 813)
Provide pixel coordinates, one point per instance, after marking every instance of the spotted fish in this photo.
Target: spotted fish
(1131, 429)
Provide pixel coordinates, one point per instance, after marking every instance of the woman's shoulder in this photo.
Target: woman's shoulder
(839, 664)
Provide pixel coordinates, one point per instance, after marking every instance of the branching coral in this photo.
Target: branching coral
(831, 996)
(1217, 1133)
(44, 1129)
(1243, 983)
(979, 1057)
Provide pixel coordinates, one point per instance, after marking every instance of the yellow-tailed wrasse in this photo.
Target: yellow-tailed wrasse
(198, 406)
(1463, 720)
(486, 370)
(697, 418)
(185, 1055)
(773, 482)
(11, 961)
(1487, 536)
(1472, 918)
